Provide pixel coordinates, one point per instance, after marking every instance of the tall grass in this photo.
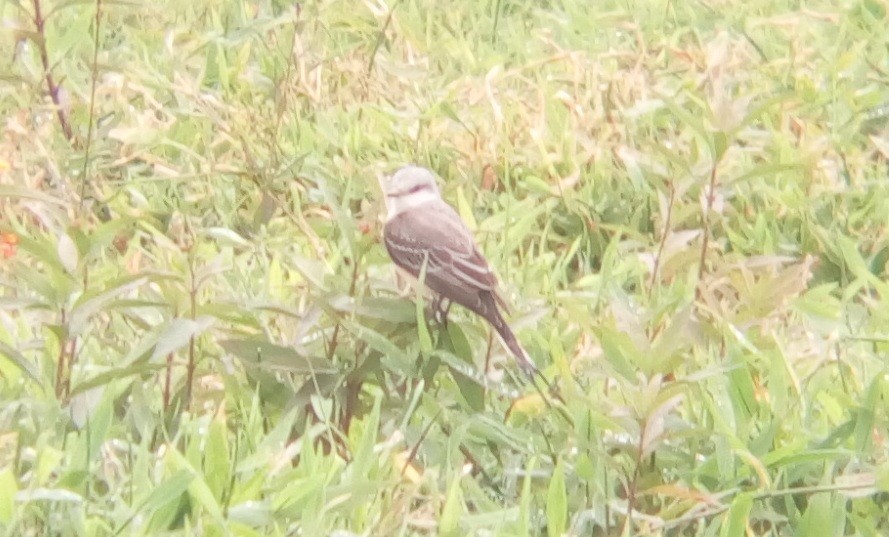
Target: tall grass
(200, 332)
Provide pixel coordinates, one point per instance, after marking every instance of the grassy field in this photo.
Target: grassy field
(201, 333)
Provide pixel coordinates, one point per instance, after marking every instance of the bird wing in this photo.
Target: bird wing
(435, 233)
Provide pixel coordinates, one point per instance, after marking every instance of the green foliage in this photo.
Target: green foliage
(200, 332)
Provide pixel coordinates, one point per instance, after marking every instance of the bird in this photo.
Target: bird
(425, 237)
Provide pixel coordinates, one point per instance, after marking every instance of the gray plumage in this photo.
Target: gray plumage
(421, 227)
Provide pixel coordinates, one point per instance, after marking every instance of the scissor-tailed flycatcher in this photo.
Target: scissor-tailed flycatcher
(423, 233)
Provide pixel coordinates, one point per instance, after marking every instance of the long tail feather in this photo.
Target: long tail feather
(512, 343)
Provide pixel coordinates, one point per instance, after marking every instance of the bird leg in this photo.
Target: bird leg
(440, 308)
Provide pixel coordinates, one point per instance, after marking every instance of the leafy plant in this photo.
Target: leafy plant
(201, 333)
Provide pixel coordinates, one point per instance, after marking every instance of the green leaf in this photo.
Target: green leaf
(452, 512)
(557, 503)
(52, 283)
(720, 145)
(472, 391)
(19, 360)
(8, 489)
(823, 516)
(738, 515)
(882, 477)
(178, 334)
(465, 210)
(254, 514)
(265, 354)
(167, 496)
(95, 241)
(691, 119)
(217, 459)
(420, 313)
(394, 357)
(619, 350)
(313, 271)
(197, 486)
(364, 456)
(484, 427)
(91, 304)
(227, 236)
(526, 498)
(20, 192)
(393, 310)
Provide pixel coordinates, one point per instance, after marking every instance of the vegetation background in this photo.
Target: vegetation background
(201, 333)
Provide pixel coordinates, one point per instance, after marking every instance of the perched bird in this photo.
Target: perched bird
(421, 229)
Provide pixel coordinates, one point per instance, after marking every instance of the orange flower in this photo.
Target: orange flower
(8, 244)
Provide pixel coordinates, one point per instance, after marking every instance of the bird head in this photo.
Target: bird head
(407, 188)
